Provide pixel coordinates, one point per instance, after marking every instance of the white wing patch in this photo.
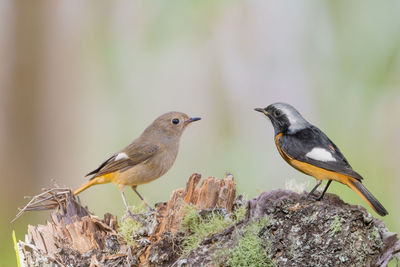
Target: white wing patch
(121, 155)
(321, 154)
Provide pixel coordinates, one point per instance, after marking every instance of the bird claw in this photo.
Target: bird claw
(135, 217)
(316, 198)
(151, 209)
(155, 212)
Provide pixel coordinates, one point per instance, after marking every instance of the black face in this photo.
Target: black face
(278, 118)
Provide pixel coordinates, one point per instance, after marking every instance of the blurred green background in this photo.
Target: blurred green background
(79, 80)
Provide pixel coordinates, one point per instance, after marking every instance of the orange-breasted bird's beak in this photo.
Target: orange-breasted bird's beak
(261, 110)
(193, 119)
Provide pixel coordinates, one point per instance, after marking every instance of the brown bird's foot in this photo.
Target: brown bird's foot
(135, 217)
(128, 211)
(153, 211)
(149, 207)
(144, 201)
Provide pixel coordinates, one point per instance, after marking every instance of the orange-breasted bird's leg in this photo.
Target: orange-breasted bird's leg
(140, 196)
(315, 187)
(323, 192)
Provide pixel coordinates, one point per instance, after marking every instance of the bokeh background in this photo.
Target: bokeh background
(79, 80)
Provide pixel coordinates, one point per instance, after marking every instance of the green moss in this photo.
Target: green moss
(201, 227)
(336, 225)
(129, 226)
(190, 219)
(239, 213)
(221, 256)
(373, 235)
(249, 251)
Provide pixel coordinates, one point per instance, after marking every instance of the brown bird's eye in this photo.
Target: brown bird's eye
(175, 121)
(277, 113)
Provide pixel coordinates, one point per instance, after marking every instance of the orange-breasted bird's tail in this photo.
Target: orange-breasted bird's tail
(360, 189)
(97, 180)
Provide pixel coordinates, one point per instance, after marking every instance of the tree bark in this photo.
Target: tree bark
(279, 228)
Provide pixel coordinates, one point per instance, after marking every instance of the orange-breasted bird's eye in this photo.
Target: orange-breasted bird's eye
(175, 121)
(277, 113)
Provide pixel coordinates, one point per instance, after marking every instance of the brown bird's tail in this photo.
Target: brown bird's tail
(360, 189)
(97, 180)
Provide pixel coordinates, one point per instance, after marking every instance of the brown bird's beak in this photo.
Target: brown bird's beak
(192, 119)
(261, 110)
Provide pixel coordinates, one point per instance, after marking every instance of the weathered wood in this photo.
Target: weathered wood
(296, 232)
(71, 228)
(211, 194)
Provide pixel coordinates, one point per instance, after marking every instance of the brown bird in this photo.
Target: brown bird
(147, 158)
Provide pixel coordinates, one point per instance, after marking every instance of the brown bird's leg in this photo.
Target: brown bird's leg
(134, 216)
(315, 187)
(323, 192)
(140, 196)
(125, 203)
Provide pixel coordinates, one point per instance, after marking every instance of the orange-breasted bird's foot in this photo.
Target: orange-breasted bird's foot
(314, 196)
(315, 188)
(323, 192)
(320, 197)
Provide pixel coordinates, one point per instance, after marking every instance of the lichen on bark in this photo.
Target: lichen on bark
(279, 228)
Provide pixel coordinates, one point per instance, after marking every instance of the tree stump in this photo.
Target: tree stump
(202, 225)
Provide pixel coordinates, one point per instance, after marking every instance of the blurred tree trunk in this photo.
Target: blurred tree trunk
(23, 101)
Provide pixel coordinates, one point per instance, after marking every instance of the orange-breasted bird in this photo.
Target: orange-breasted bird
(147, 158)
(309, 150)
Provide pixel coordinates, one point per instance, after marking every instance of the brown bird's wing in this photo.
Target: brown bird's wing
(132, 155)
